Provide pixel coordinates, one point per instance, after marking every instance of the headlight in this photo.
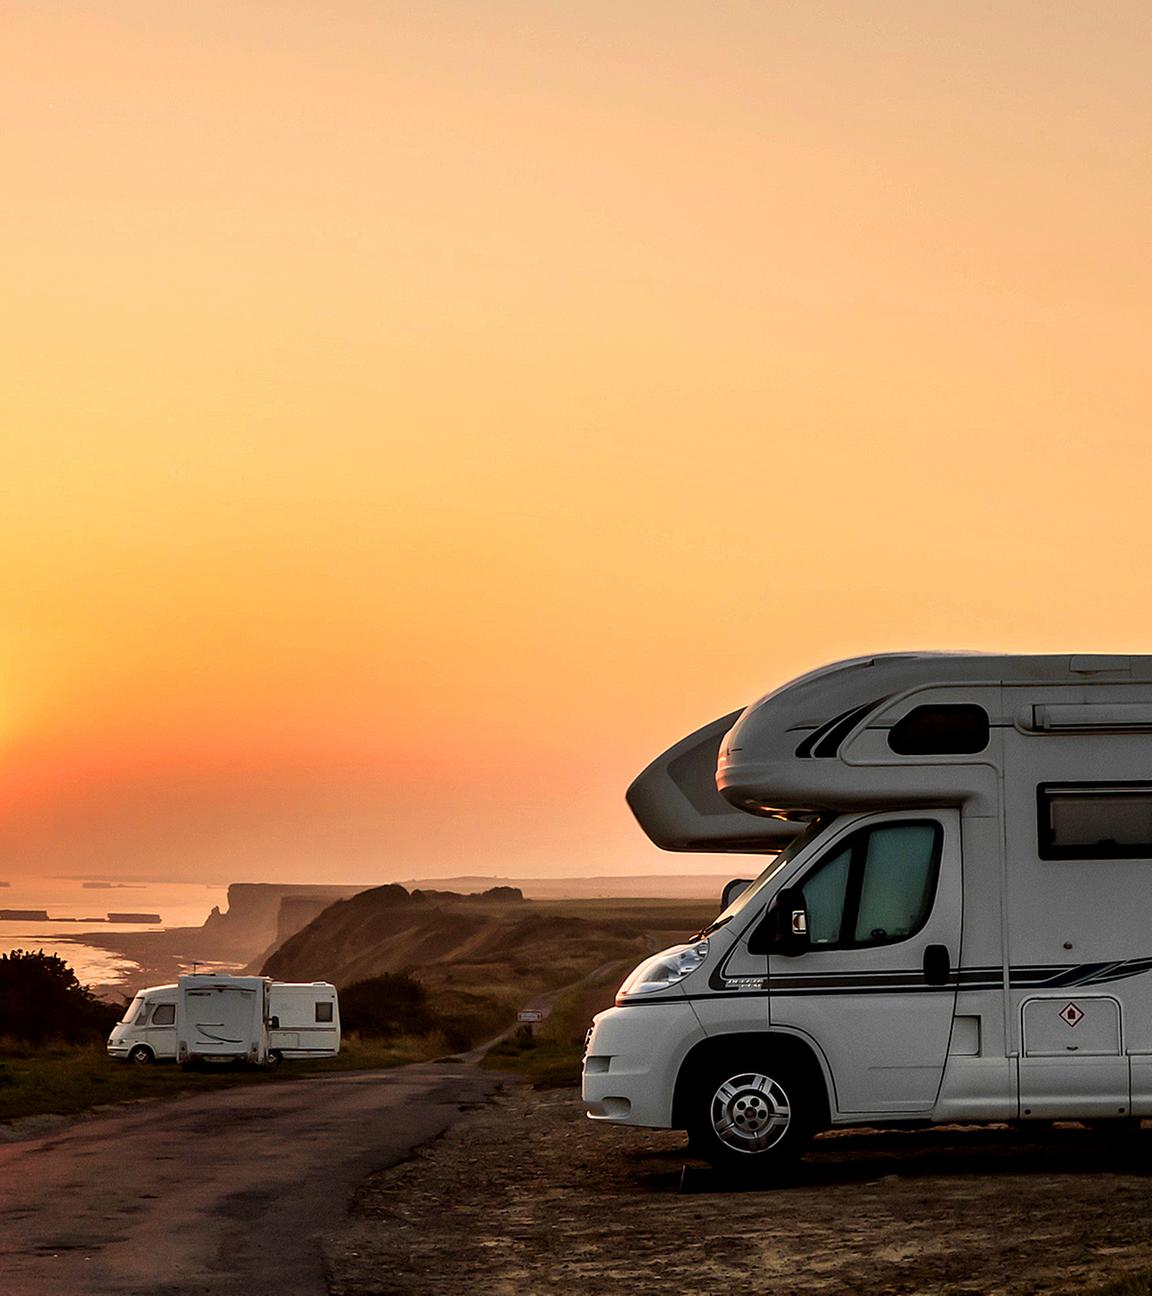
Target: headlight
(664, 970)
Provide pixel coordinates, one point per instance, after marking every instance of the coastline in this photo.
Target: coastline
(158, 958)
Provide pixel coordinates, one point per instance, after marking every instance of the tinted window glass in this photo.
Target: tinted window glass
(876, 888)
(899, 879)
(324, 1012)
(1095, 822)
(824, 899)
(959, 730)
(164, 1015)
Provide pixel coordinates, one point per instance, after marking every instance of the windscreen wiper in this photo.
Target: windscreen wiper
(707, 931)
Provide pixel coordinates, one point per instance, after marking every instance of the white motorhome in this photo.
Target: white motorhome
(147, 1031)
(222, 1019)
(304, 1022)
(957, 924)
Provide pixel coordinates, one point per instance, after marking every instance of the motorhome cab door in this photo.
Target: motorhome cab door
(875, 987)
(161, 1031)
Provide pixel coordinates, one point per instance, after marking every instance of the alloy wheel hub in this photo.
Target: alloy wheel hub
(750, 1112)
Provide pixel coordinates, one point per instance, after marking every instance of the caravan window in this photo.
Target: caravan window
(164, 1014)
(324, 1011)
(876, 888)
(1095, 820)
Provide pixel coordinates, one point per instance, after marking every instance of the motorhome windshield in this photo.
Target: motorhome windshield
(131, 1011)
(814, 829)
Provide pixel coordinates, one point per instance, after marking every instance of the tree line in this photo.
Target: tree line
(41, 999)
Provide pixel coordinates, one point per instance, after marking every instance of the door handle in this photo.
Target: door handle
(937, 965)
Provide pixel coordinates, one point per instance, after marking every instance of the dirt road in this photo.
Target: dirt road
(526, 1196)
(225, 1194)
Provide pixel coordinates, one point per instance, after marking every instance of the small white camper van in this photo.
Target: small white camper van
(147, 1031)
(955, 922)
(303, 1022)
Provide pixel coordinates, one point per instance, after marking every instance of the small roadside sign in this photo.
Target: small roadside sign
(527, 1016)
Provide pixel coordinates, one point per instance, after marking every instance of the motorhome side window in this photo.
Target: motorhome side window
(164, 1015)
(959, 729)
(1095, 820)
(323, 1012)
(874, 889)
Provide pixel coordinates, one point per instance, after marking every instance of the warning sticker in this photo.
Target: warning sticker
(1073, 1014)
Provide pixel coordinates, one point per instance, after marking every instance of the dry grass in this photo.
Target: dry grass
(63, 1079)
(551, 1057)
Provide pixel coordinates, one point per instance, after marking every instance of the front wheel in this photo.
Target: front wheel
(140, 1055)
(753, 1120)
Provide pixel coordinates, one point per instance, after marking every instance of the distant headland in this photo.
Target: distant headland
(42, 915)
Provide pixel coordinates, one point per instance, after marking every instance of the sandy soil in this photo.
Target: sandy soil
(528, 1197)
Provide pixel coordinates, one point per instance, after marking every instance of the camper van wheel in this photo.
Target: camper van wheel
(274, 1060)
(141, 1055)
(749, 1119)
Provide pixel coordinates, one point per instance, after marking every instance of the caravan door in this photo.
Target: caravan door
(875, 989)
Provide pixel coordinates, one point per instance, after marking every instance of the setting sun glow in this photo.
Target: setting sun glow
(418, 416)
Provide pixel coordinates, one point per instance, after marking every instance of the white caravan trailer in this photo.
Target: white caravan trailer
(957, 926)
(304, 1022)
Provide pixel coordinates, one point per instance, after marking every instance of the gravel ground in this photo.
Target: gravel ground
(526, 1196)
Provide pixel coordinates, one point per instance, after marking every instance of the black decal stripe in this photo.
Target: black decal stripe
(911, 981)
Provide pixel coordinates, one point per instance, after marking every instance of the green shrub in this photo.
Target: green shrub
(41, 999)
(385, 1006)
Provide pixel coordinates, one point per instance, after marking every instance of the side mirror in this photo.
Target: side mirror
(732, 890)
(784, 928)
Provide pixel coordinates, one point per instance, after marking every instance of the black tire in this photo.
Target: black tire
(751, 1117)
(274, 1060)
(141, 1055)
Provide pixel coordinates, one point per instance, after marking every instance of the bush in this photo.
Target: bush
(384, 1006)
(41, 999)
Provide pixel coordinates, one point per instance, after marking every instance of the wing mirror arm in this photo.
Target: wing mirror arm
(784, 928)
(733, 890)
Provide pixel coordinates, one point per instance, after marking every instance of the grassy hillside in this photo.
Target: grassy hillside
(480, 958)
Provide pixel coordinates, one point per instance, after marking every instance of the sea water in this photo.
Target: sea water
(179, 904)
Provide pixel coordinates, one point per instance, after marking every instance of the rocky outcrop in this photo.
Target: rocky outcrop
(253, 914)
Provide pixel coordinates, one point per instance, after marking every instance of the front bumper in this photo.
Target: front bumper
(632, 1060)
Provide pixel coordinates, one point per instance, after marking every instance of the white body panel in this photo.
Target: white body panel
(222, 1018)
(304, 1022)
(305, 1019)
(1042, 903)
(149, 1022)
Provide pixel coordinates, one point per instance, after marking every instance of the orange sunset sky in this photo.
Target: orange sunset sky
(416, 416)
